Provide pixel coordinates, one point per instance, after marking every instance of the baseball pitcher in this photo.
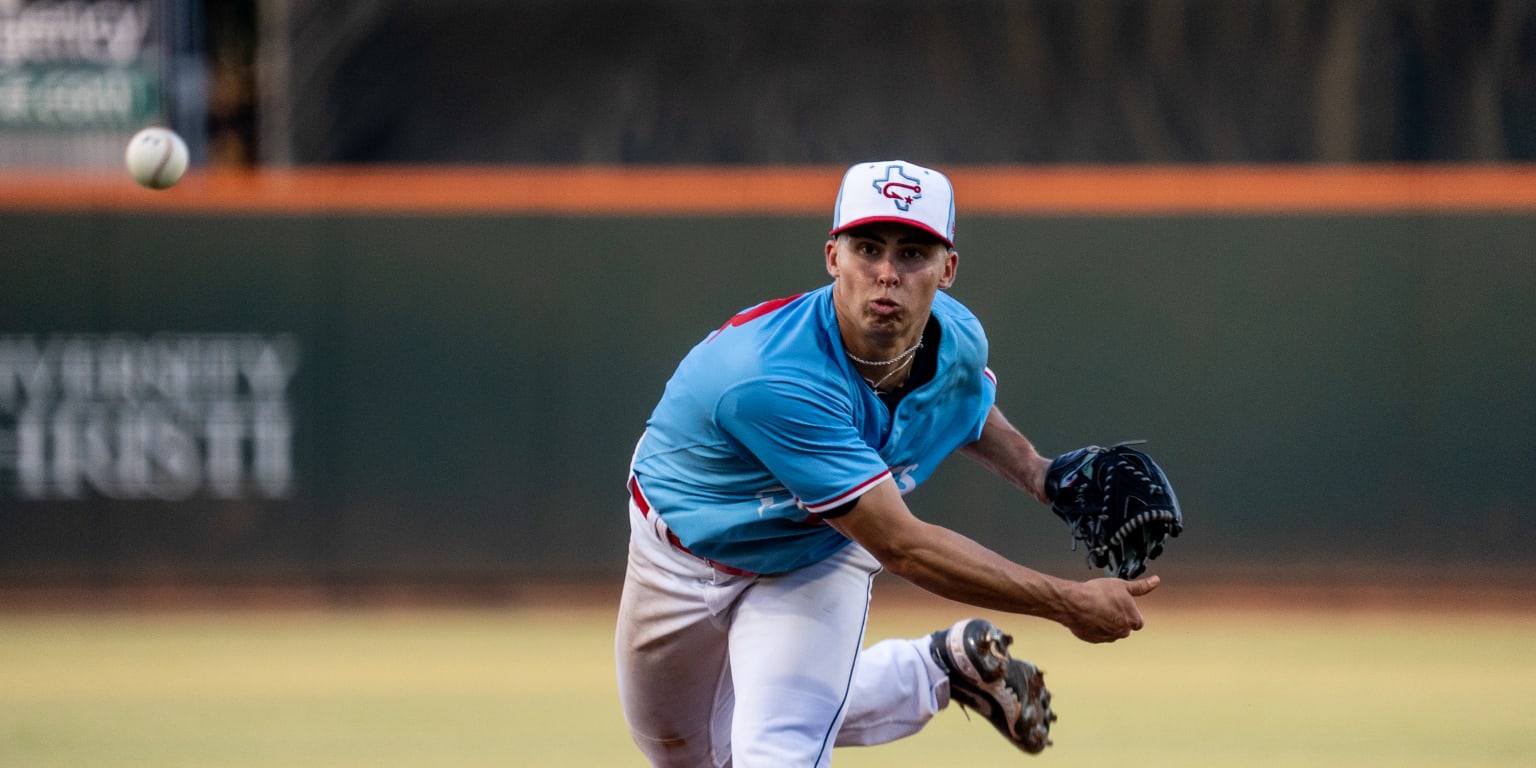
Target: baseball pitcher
(766, 492)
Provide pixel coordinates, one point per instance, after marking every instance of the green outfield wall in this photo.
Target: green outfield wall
(188, 397)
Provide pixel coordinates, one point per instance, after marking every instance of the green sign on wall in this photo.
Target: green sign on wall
(77, 97)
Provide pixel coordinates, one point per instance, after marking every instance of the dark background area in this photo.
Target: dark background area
(804, 81)
(1344, 393)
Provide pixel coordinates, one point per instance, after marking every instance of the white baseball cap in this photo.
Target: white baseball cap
(899, 191)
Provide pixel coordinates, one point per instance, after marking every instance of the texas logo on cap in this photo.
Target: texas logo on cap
(899, 191)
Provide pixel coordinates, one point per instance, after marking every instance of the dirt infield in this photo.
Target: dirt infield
(529, 681)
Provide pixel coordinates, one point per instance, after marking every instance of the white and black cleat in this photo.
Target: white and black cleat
(1009, 692)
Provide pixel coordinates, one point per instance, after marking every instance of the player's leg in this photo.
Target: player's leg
(794, 641)
(901, 684)
(673, 674)
(898, 687)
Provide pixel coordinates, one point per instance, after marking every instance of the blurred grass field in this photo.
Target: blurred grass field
(533, 686)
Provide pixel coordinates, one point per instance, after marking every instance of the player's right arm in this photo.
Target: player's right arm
(955, 567)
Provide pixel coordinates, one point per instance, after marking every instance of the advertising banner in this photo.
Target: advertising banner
(78, 65)
(78, 77)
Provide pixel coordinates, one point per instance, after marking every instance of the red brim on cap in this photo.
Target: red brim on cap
(894, 220)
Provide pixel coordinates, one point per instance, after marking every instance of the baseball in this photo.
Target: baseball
(156, 158)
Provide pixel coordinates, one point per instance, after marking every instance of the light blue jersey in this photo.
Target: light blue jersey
(766, 423)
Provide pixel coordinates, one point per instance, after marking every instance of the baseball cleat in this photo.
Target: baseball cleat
(1009, 692)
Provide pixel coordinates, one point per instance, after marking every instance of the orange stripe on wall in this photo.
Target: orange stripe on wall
(784, 190)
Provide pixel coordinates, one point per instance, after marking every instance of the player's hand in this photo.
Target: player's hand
(1105, 609)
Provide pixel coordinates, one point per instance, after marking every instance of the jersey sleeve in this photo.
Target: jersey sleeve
(804, 438)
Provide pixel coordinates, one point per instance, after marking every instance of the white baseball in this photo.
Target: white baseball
(156, 157)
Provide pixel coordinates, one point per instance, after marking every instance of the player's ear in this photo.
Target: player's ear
(832, 268)
(951, 266)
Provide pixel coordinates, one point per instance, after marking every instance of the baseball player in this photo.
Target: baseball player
(766, 493)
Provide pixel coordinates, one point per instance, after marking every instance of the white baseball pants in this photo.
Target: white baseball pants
(750, 671)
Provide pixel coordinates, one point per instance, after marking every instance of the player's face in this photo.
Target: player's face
(886, 277)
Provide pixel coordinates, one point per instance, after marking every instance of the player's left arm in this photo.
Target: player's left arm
(1010, 455)
(953, 566)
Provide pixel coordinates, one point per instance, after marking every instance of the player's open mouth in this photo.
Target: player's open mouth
(885, 307)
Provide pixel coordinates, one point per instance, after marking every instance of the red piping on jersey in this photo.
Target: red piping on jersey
(842, 497)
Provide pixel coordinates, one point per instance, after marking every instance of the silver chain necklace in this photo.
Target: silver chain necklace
(882, 363)
(904, 358)
(875, 385)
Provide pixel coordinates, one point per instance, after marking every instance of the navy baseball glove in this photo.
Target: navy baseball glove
(1118, 503)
